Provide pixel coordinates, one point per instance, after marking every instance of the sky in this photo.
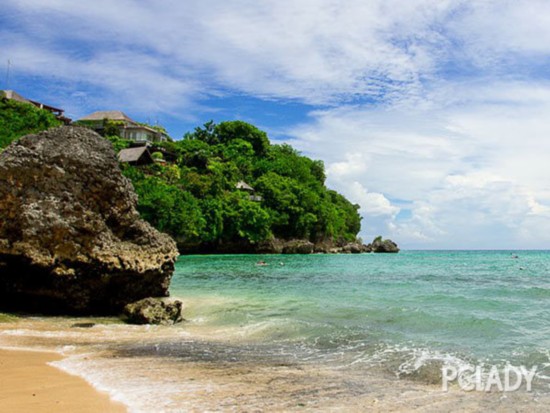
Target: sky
(432, 115)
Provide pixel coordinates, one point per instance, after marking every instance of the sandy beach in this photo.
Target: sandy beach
(29, 384)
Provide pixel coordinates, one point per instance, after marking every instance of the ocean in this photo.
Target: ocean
(321, 332)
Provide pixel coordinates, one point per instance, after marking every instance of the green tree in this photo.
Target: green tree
(118, 143)
(244, 219)
(112, 127)
(18, 119)
(228, 131)
(205, 134)
(169, 208)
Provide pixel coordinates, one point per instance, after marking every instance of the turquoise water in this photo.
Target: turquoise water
(392, 310)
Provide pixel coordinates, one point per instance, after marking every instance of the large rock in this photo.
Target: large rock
(71, 239)
(153, 311)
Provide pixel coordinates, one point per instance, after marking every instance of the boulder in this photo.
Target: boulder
(380, 245)
(352, 248)
(298, 246)
(71, 239)
(153, 311)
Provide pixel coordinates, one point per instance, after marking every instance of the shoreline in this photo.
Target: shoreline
(162, 370)
(30, 383)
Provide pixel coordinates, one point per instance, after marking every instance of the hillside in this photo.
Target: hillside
(231, 190)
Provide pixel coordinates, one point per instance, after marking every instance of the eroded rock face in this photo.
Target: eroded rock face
(71, 239)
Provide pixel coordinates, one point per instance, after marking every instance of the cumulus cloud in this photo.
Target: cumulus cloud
(372, 203)
(354, 165)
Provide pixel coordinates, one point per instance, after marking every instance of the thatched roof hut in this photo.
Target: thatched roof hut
(136, 156)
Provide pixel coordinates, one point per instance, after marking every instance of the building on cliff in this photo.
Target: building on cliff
(127, 127)
(13, 95)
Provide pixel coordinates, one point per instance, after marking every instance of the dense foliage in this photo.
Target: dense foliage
(18, 119)
(196, 199)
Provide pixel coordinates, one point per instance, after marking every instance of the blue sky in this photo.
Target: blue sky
(433, 115)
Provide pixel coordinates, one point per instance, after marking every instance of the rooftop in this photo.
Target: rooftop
(243, 185)
(13, 95)
(108, 114)
(133, 154)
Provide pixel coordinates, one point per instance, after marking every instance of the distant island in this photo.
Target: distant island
(223, 188)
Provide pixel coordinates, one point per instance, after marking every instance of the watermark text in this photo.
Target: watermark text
(505, 379)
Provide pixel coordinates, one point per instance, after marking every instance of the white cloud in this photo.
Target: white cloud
(143, 88)
(315, 51)
(471, 175)
(354, 165)
(490, 29)
(372, 203)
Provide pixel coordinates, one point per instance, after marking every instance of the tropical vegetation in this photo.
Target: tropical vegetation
(196, 198)
(18, 119)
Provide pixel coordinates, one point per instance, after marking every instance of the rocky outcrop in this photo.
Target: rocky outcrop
(380, 245)
(153, 311)
(71, 239)
(294, 246)
(271, 246)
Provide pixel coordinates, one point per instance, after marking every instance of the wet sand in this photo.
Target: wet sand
(29, 384)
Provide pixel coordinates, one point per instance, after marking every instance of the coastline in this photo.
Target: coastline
(29, 383)
(155, 368)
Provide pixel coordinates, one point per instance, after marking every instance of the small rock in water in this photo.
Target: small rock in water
(153, 311)
(384, 246)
